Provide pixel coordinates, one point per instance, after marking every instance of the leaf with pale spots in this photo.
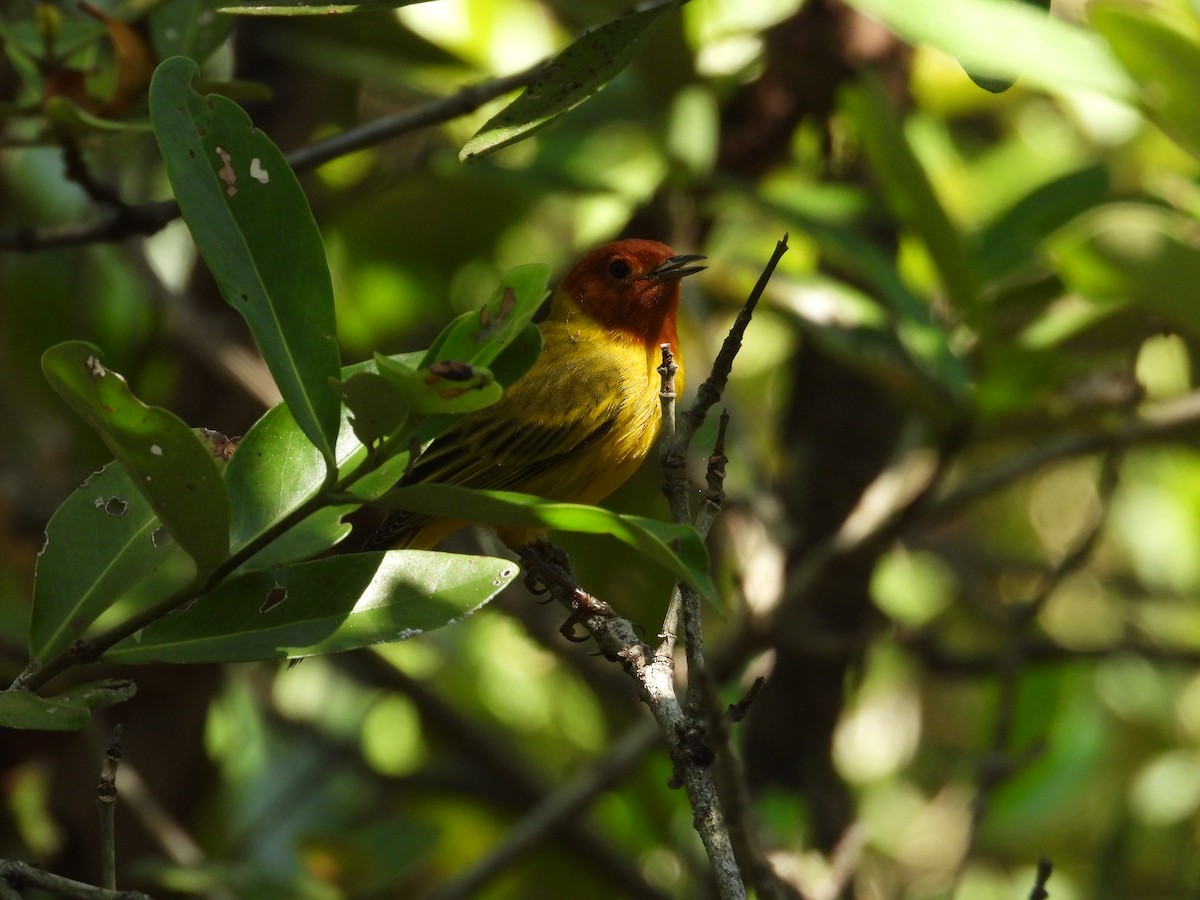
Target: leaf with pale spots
(171, 467)
(252, 224)
(324, 606)
(100, 543)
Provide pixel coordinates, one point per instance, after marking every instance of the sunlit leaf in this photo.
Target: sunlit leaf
(1000, 84)
(569, 79)
(649, 537)
(324, 606)
(477, 337)
(909, 193)
(442, 387)
(377, 408)
(1007, 40)
(1164, 57)
(1136, 253)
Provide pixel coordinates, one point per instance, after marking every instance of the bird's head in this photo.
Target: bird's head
(630, 286)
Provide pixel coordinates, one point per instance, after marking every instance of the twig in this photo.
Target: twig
(513, 783)
(555, 810)
(464, 101)
(1156, 422)
(106, 802)
(147, 218)
(674, 455)
(1000, 763)
(1039, 892)
(17, 875)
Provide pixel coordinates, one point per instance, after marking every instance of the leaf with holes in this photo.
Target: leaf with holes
(170, 465)
(653, 539)
(324, 606)
(102, 541)
(252, 225)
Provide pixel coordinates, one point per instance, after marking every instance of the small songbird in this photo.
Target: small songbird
(582, 419)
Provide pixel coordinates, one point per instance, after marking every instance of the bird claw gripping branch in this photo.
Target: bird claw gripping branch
(549, 570)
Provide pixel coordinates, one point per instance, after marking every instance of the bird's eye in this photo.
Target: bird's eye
(619, 268)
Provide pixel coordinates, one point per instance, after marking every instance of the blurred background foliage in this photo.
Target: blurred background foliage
(987, 321)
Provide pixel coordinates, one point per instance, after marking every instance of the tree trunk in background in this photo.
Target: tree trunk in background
(838, 431)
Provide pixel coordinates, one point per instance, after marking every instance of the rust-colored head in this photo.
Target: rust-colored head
(630, 286)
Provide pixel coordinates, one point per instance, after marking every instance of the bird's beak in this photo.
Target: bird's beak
(675, 267)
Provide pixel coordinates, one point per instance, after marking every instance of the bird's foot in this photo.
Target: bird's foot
(550, 569)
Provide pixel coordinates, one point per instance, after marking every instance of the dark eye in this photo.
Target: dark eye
(619, 268)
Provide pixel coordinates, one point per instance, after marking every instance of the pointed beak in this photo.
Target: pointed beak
(676, 267)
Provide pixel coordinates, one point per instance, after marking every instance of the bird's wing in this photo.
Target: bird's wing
(530, 432)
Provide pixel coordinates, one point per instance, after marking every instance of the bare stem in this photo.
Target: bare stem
(106, 802)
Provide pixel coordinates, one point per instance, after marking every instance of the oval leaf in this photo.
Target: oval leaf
(65, 712)
(173, 469)
(649, 537)
(103, 540)
(1164, 58)
(570, 78)
(325, 606)
(1004, 40)
(479, 337)
(252, 224)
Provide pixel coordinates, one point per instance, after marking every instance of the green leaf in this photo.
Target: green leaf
(70, 116)
(442, 387)
(569, 79)
(908, 191)
(518, 357)
(252, 225)
(324, 606)
(649, 537)
(478, 337)
(306, 8)
(998, 85)
(377, 408)
(274, 470)
(187, 28)
(103, 540)
(916, 341)
(1006, 40)
(1012, 240)
(1163, 55)
(68, 711)
(857, 330)
(1135, 253)
(173, 468)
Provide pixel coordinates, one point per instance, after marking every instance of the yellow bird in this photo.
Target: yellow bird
(583, 418)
